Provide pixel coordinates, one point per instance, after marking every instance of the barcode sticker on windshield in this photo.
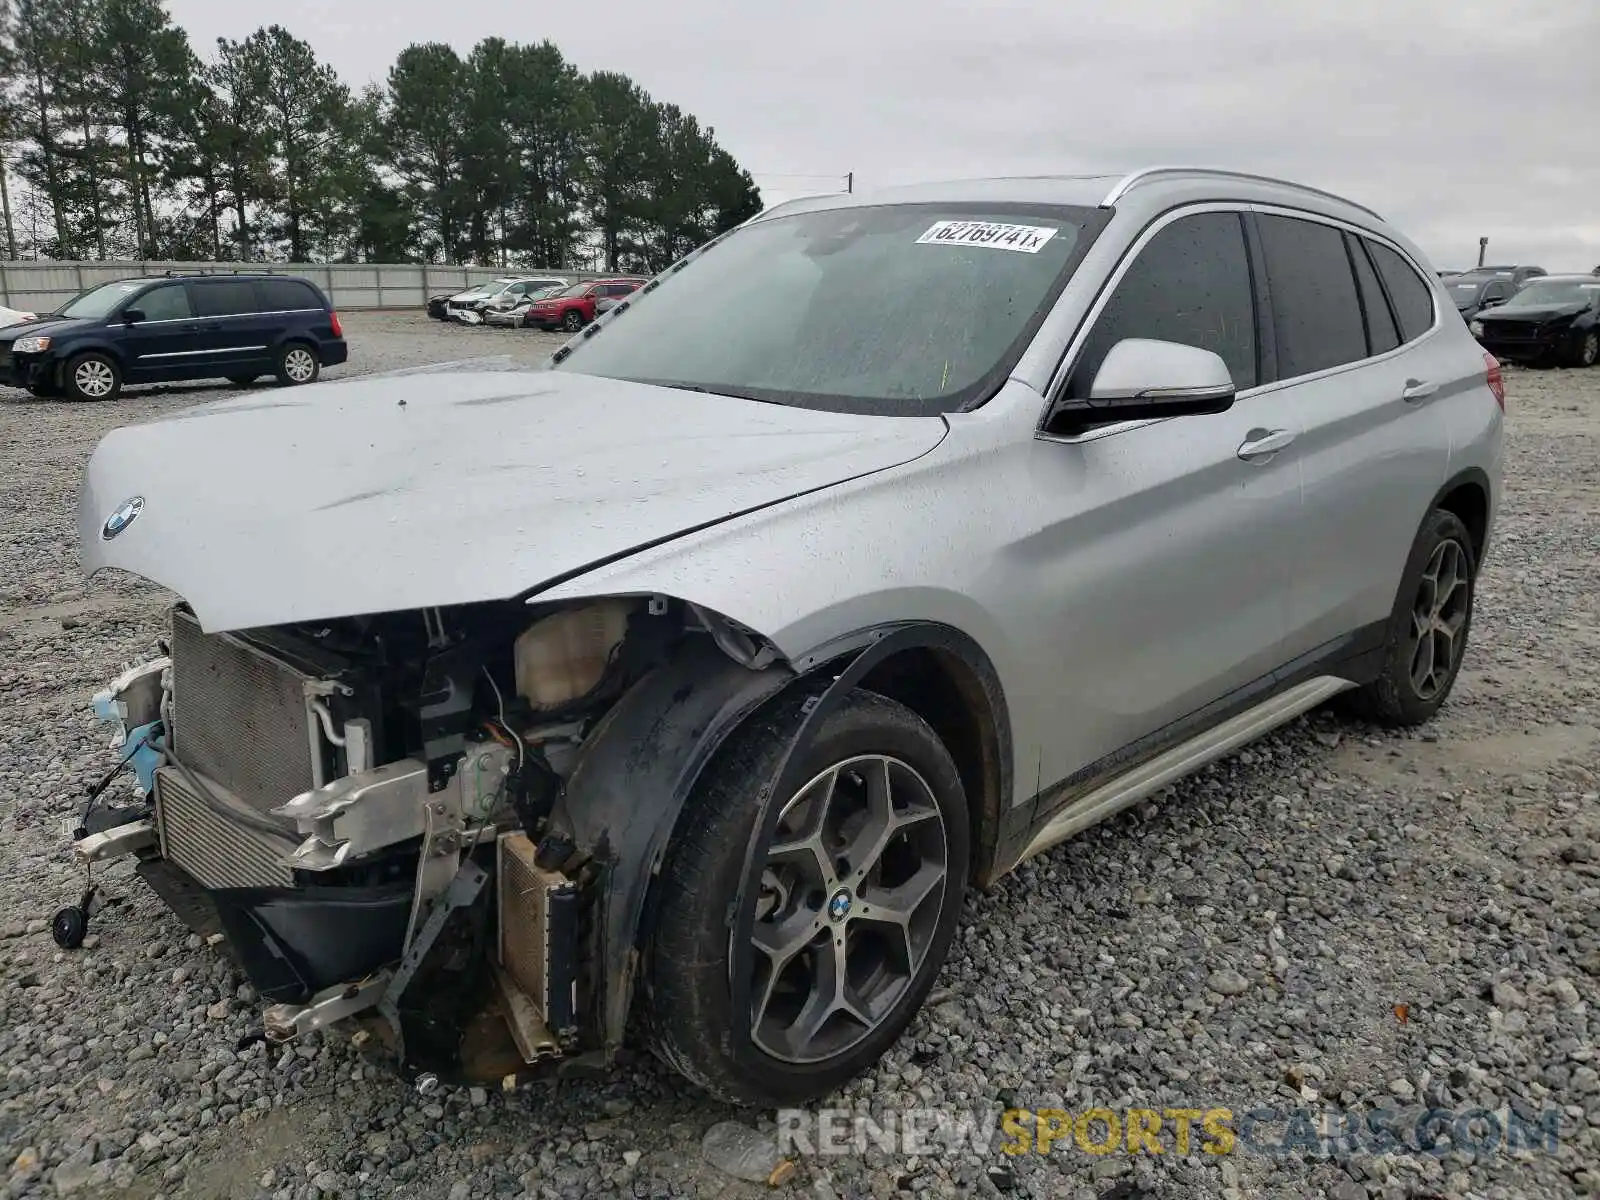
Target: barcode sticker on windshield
(1025, 238)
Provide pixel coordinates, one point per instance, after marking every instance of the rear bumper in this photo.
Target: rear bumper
(334, 352)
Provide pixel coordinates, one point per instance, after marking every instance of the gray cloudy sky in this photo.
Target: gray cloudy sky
(1453, 118)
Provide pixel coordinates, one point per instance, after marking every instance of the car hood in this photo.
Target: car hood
(47, 327)
(362, 496)
(1531, 314)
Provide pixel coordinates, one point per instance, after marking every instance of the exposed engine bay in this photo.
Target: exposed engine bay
(374, 812)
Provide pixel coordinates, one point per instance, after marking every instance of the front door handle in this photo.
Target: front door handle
(1262, 444)
(1416, 391)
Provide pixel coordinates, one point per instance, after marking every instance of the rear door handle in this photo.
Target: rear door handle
(1416, 391)
(1262, 444)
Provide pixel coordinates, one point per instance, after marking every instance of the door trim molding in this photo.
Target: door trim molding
(1187, 756)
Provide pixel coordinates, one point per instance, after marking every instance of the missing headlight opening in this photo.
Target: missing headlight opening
(374, 812)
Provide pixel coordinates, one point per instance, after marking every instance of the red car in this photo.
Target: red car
(573, 308)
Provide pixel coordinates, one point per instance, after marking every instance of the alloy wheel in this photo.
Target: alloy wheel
(1438, 619)
(298, 365)
(851, 895)
(1591, 349)
(94, 379)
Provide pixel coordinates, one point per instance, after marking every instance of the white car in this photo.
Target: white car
(15, 316)
(468, 307)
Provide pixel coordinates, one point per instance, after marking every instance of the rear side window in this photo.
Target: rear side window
(1381, 333)
(286, 295)
(224, 297)
(169, 302)
(1413, 299)
(1191, 285)
(1316, 313)
(620, 289)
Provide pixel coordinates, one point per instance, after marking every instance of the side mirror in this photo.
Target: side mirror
(132, 316)
(1143, 380)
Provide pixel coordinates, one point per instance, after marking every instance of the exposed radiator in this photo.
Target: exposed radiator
(230, 849)
(538, 932)
(238, 716)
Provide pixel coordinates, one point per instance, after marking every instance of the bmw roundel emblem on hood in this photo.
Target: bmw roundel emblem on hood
(122, 517)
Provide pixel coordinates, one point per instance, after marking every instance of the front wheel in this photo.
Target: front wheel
(1587, 351)
(93, 376)
(297, 364)
(1428, 628)
(572, 321)
(857, 903)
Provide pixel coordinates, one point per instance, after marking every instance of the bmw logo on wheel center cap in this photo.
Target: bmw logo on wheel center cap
(122, 517)
(839, 906)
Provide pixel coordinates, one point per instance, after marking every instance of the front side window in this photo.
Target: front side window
(905, 309)
(169, 302)
(1413, 299)
(224, 297)
(1191, 285)
(1316, 312)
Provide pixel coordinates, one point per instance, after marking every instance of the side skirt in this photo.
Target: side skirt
(1180, 760)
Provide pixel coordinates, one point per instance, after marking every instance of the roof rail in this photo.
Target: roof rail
(1132, 180)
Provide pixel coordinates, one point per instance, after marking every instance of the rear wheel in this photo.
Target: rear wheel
(93, 376)
(1587, 352)
(297, 363)
(572, 321)
(1428, 629)
(859, 895)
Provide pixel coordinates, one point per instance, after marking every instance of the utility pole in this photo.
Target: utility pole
(850, 181)
(5, 203)
(1483, 247)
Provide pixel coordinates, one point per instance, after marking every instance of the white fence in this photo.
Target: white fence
(46, 286)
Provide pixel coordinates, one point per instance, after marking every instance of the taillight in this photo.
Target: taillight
(338, 329)
(1496, 381)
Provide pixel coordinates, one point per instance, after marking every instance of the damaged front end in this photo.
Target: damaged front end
(445, 819)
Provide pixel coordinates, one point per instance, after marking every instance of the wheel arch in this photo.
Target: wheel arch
(626, 795)
(1468, 495)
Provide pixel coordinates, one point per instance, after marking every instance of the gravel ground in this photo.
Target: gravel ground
(1333, 916)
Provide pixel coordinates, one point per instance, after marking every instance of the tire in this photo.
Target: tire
(296, 364)
(687, 998)
(92, 377)
(1587, 352)
(572, 320)
(242, 380)
(1397, 698)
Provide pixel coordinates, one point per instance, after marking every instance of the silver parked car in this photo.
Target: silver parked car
(880, 544)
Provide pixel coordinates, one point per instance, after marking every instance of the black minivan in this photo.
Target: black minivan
(170, 327)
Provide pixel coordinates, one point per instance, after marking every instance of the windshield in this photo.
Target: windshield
(100, 301)
(576, 289)
(1465, 291)
(1542, 293)
(894, 309)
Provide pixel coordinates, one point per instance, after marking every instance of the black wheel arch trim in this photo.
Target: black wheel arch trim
(874, 647)
(640, 764)
(1480, 478)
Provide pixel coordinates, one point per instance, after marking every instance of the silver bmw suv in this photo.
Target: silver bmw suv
(878, 545)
